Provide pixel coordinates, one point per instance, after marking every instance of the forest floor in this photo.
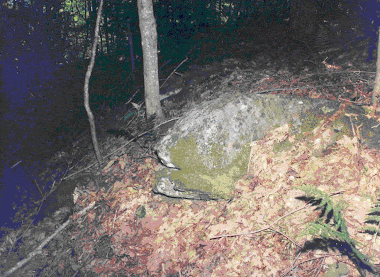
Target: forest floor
(128, 231)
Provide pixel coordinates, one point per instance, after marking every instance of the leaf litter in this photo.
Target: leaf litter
(257, 233)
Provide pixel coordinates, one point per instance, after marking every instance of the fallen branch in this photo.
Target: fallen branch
(263, 229)
(174, 71)
(301, 88)
(38, 250)
(121, 147)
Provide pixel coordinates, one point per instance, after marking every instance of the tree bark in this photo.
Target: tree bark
(86, 86)
(148, 32)
(376, 90)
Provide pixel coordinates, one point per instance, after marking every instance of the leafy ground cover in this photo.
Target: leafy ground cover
(258, 232)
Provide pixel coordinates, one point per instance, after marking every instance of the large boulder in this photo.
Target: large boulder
(208, 149)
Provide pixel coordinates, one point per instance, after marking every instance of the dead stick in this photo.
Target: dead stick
(121, 147)
(38, 250)
(300, 88)
(173, 71)
(263, 229)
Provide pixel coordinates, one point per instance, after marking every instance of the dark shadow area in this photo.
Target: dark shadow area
(343, 248)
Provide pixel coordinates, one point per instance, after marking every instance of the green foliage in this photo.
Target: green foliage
(373, 219)
(78, 10)
(330, 229)
(330, 224)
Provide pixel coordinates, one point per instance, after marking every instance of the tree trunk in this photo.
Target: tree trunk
(148, 32)
(376, 90)
(86, 87)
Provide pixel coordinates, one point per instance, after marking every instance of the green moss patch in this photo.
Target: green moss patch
(196, 176)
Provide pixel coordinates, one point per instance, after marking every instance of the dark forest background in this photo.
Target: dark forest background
(45, 48)
(41, 37)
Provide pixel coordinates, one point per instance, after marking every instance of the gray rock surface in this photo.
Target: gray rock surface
(208, 149)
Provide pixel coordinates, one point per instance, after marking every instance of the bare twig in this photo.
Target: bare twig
(274, 230)
(86, 87)
(173, 72)
(121, 147)
(130, 99)
(309, 260)
(263, 229)
(300, 88)
(165, 63)
(13, 166)
(38, 250)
